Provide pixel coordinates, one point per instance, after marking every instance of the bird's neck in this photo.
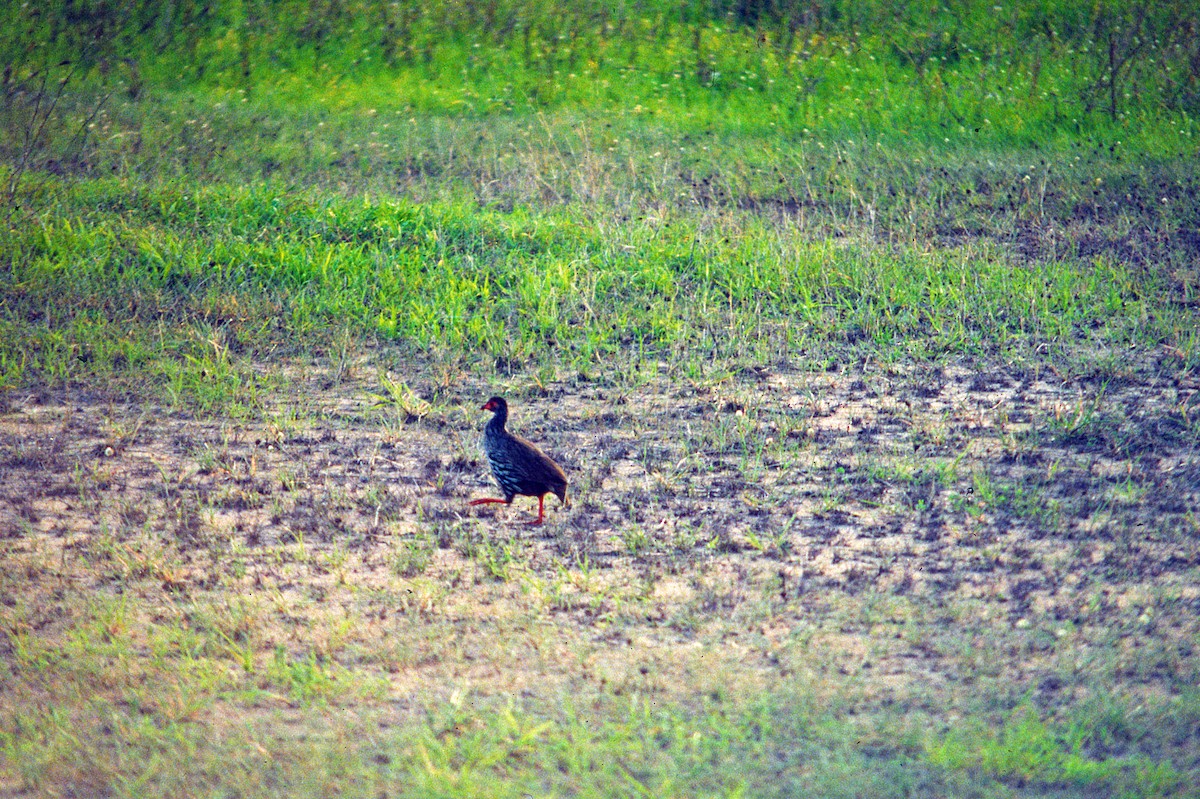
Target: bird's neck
(496, 426)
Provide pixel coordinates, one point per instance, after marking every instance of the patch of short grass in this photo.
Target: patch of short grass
(1091, 756)
(189, 302)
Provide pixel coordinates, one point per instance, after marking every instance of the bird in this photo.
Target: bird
(518, 466)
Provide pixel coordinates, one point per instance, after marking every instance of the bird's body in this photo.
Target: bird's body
(518, 466)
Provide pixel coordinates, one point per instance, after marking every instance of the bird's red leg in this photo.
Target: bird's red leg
(541, 511)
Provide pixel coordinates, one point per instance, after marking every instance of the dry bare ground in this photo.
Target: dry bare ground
(888, 534)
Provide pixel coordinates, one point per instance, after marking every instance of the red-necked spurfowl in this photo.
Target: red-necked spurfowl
(519, 466)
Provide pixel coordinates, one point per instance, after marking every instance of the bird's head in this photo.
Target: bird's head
(495, 405)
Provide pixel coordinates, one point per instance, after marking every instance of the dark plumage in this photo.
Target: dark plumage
(518, 466)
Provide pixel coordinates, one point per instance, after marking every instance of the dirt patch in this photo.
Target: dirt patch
(917, 530)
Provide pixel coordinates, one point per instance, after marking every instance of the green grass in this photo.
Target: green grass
(1090, 754)
(121, 279)
(131, 694)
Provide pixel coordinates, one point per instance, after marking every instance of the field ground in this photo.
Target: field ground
(871, 350)
(908, 552)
